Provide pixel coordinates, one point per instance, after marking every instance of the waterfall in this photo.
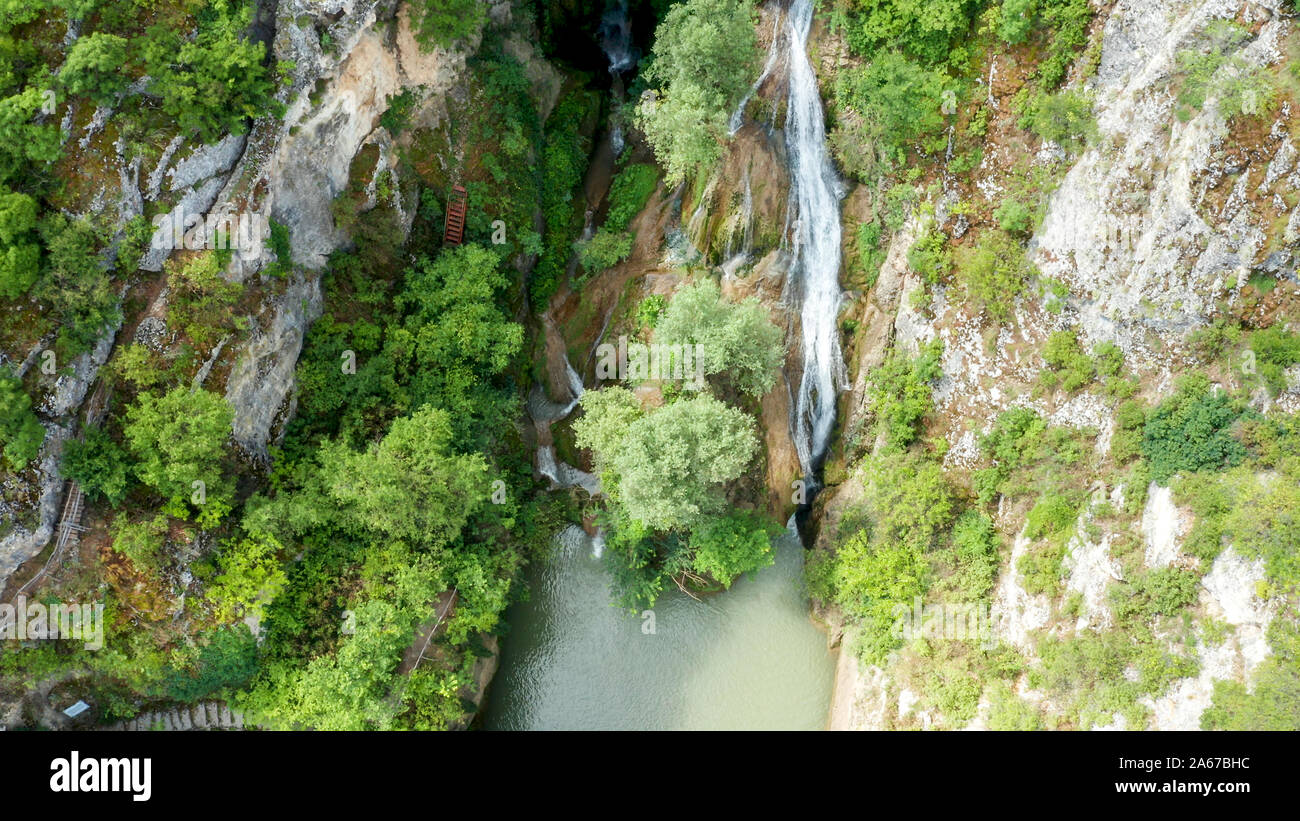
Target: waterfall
(616, 37)
(814, 281)
(773, 51)
(616, 41)
(564, 475)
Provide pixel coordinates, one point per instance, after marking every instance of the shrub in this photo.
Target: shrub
(604, 250)
(628, 194)
(736, 543)
(900, 393)
(1014, 217)
(1191, 430)
(21, 433)
(1064, 118)
(994, 273)
(1163, 591)
(1067, 364)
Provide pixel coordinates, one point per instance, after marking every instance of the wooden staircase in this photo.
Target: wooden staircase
(69, 527)
(457, 205)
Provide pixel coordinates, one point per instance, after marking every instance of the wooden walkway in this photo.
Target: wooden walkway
(457, 207)
(69, 527)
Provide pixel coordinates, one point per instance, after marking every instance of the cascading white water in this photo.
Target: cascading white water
(815, 200)
(616, 41)
(773, 51)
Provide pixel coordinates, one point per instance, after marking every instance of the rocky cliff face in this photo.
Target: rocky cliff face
(1154, 230)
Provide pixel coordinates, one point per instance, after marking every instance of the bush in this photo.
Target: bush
(604, 250)
(898, 103)
(441, 23)
(1126, 441)
(994, 273)
(929, 256)
(1053, 514)
(628, 194)
(739, 542)
(141, 541)
(1067, 364)
(900, 393)
(975, 549)
(1064, 118)
(1275, 351)
(1191, 430)
(21, 433)
(1215, 68)
(1014, 217)
(1163, 591)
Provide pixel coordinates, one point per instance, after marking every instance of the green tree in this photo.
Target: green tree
(19, 252)
(76, 283)
(669, 465)
(736, 543)
(1016, 20)
(250, 577)
(21, 433)
(95, 66)
(702, 63)
(410, 485)
(738, 340)
(456, 337)
(178, 439)
(1191, 430)
(215, 83)
(99, 464)
(22, 142)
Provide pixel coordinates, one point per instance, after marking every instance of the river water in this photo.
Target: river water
(748, 658)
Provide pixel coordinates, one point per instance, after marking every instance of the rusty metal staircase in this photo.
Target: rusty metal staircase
(457, 206)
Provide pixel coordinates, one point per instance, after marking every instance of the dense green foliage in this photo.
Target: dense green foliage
(704, 55)
(742, 349)
(1192, 430)
(179, 439)
(900, 393)
(441, 23)
(21, 433)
